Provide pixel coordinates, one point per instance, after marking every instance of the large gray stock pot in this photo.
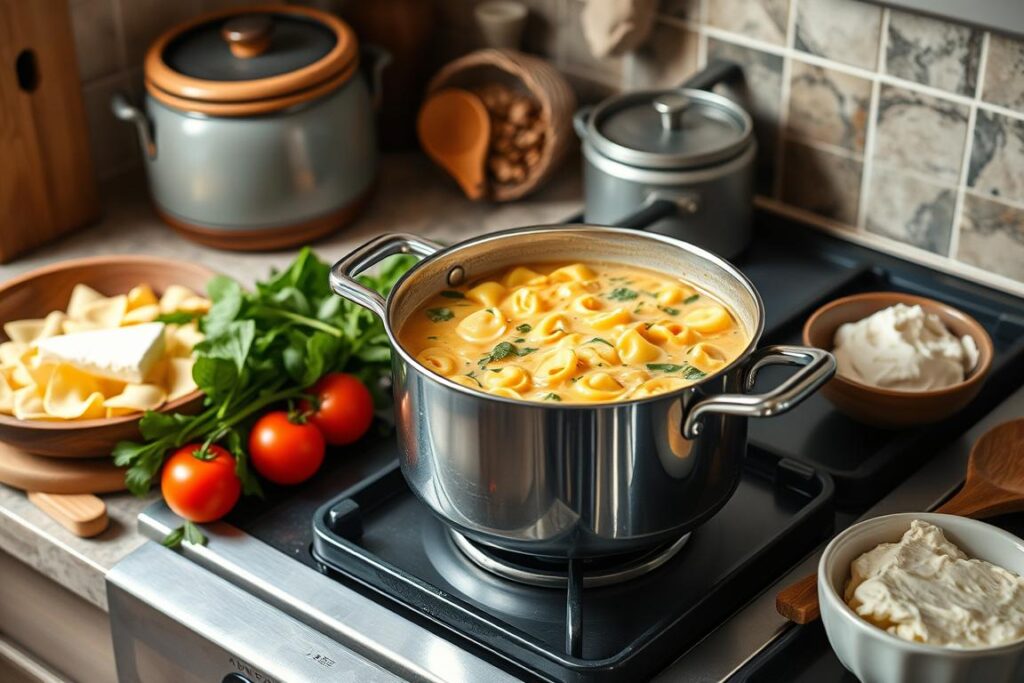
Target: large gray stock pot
(258, 128)
(564, 480)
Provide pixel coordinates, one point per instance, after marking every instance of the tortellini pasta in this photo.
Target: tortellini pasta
(562, 332)
(481, 327)
(34, 386)
(523, 304)
(440, 361)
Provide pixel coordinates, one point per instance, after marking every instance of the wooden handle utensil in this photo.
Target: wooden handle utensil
(994, 486)
(82, 514)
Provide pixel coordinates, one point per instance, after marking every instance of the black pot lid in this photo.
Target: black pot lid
(251, 54)
(670, 128)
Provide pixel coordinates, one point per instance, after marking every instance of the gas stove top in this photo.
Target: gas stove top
(354, 556)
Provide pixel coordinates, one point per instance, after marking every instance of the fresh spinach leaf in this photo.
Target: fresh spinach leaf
(440, 315)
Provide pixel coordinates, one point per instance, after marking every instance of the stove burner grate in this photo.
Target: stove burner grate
(549, 573)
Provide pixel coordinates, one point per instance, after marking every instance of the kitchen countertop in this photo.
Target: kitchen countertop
(412, 196)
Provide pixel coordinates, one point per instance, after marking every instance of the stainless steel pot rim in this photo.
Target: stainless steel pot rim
(661, 160)
(432, 376)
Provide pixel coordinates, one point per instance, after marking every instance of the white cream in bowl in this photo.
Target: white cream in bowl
(925, 589)
(903, 347)
(876, 655)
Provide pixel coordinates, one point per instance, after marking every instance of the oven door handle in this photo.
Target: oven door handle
(344, 272)
(818, 368)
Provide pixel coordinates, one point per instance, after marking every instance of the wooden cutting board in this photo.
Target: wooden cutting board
(47, 185)
(58, 475)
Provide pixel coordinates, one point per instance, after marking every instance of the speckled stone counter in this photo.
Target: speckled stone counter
(412, 196)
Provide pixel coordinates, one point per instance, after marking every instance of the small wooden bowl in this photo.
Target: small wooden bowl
(524, 72)
(892, 408)
(46, 289)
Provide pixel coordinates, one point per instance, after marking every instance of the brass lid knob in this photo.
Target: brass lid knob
(248, 35)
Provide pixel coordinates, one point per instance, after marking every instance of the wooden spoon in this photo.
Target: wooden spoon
(455, 131)
(994, 486)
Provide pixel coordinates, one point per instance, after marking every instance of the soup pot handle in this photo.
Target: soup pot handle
(344, 272)
(818, 368)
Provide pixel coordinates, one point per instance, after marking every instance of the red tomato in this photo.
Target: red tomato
(283, 451)
(346, 408)
(200, 490)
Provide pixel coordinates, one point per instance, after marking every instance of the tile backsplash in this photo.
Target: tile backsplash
(895, 130)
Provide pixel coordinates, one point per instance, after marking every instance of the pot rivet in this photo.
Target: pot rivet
(455, 276)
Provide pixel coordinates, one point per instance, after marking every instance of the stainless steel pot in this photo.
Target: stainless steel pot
(688, 149)
(258, 150)
(564, 480)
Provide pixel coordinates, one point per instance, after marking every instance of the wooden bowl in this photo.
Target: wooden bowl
(38, 292)
(893, 408)
(533, 75)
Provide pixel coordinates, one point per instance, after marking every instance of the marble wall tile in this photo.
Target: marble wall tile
(921, 133)
(828, 106)
(665, 60)
(97, 38)
(992, 236)
(910, 209)
(1004, 73)
(764, 20)
(574, 52)
(825, 183)
(933, 52)
(842, 30)
(687, 10)
(997, 156)
(760, 94)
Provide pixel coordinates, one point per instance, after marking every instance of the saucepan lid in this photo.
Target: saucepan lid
(674, 129)
(250, 61)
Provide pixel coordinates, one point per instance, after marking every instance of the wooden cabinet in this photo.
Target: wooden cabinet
(47, 186)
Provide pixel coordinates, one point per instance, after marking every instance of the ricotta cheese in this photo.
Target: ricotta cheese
(126, 354)
(925, 589)
(902, 347)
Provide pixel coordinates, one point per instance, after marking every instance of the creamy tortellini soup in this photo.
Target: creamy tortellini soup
(574, 333)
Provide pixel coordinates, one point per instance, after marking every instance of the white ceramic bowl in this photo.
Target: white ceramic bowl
(875, 656)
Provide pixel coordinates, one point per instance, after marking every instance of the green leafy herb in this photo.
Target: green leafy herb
(431, 337)
(664, 367)
(263, 348)
(669, 310)
(553, 397)
(524, 328)
(690, 299)
(453, 294)
(472, 376)
(622, 294)
(502, 351)
(688, 371)
(186, 532)
(518, 340)
(598, 340)
(439, 315)
(693, 373)
(178, 317)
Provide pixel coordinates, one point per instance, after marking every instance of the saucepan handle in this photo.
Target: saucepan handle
(344, 272)
(818, 368)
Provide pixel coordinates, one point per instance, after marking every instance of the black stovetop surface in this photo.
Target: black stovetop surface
(795, 269)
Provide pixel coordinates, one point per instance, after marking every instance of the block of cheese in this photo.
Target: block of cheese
(126, 354)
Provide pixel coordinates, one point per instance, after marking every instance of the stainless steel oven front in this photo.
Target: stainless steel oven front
(173, 620)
